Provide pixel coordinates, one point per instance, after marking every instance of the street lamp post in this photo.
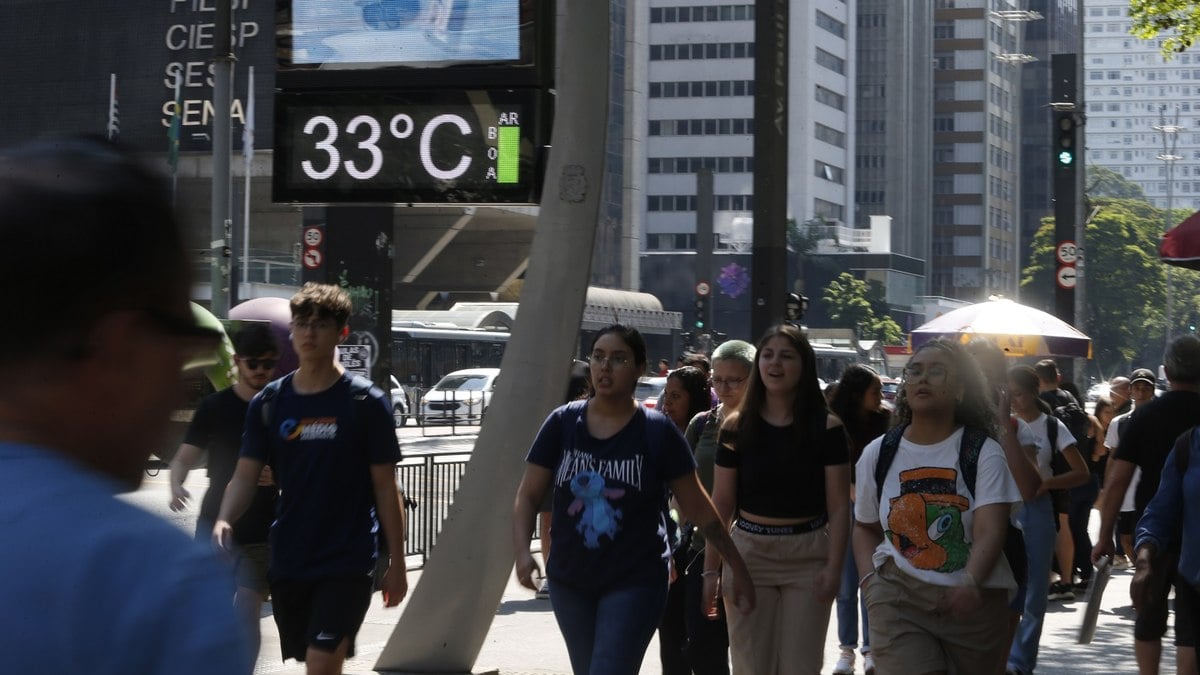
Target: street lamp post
(1170, 140)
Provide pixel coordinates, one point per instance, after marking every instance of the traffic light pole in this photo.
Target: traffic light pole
(704, 252)
(1065, 160)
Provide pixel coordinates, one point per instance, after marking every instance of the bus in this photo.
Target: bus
(832, 361)
(421, 356)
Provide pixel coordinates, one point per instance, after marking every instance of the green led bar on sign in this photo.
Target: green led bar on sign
(508, 154)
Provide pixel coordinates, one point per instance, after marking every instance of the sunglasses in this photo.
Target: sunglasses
(255, 364)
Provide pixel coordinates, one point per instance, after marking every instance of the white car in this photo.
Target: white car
(649, 389)
(461, 396)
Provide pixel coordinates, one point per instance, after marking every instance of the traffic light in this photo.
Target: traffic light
(701, 317)
(1064, 138)
(794, 307)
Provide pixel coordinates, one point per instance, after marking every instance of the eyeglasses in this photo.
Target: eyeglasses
(318, 324)
(934, 374)
(614, 361)
(731, 382)
(265, 364)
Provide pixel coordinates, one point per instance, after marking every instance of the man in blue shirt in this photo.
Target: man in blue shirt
(330, 441)
(100, 328)
(1172, 520)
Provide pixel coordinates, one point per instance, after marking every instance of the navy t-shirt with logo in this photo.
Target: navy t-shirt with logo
(320, 448)
(610, 497)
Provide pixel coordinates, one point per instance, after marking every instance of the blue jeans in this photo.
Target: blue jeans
(1037, 523)
(607, 632)
(849, 606)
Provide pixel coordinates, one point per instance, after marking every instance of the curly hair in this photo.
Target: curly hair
(975, 409)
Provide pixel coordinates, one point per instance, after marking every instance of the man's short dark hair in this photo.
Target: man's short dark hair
(255, 339)
(322, 301)
(1181, 361)
(94, 232)
(1047, 370)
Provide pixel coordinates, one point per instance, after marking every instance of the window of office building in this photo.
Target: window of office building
(830, 24)
(830, 61)
(829, 172)
(830, 98)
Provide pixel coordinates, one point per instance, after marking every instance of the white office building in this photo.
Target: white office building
(700, 109)
(1131, 90)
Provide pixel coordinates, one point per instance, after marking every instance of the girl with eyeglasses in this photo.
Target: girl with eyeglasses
(782, 478)
(935, 583)
(612, 464)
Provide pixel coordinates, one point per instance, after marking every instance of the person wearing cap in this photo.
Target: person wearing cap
(1145, 441)
(1143, 393)
(90, 582)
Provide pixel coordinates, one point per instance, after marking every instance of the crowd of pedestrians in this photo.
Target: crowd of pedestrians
(730, 520)
(970, 500)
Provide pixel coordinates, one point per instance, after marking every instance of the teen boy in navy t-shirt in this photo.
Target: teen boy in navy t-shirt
(333, 454)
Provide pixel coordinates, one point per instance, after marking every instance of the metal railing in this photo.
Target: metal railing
(431, 482)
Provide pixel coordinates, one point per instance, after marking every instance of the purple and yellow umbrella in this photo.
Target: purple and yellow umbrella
(1017, 329)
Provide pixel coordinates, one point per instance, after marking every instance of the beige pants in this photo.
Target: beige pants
(910, 635)
(785, 634)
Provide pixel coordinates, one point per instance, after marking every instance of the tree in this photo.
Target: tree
(1126, 282)
(1179, 19)
(846, 301)
(1104, 182)
(849, 305)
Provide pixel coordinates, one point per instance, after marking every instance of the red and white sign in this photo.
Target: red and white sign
(313, 236)
(1065, 277)
(1066, 253)
(702, 288)
(312, 258)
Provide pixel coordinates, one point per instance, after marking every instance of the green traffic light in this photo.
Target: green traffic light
(1065, 158)
(699, 323)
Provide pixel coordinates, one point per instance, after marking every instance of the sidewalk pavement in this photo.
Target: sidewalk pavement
(524, 639)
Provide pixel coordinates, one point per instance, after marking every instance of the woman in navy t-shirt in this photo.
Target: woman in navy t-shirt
(612, 465)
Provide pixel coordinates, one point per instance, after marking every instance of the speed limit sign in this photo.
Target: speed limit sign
(1066, 252)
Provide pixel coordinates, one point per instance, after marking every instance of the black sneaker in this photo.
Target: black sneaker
(1060, 591)
(1081, 587)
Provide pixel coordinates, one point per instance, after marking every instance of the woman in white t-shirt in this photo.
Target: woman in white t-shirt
(1038, 515)
(931, 532)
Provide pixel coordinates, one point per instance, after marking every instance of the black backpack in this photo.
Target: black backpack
(973, 439)
(1076, 419)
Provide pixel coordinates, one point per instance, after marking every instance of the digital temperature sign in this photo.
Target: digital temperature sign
(413, 147)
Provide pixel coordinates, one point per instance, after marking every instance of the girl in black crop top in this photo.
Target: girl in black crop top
(782, 479)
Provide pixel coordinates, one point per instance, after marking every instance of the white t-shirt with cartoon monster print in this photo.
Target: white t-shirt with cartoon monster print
(926, 510)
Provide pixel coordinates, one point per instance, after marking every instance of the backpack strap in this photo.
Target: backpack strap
(269, 394)
(887, 453)
(973, 439)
